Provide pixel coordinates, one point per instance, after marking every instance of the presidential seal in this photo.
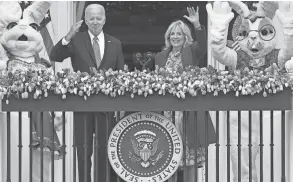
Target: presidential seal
(145, 147)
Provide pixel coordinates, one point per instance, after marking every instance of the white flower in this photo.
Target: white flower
(82, 79)
(37, 92)
(150, 91)
(197, 82)
(182, 94)
(286, 84)
(63, 90)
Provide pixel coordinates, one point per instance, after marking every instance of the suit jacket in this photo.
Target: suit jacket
(82, 55)
(193, 54)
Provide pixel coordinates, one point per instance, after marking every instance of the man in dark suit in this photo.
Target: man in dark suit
(91, 49)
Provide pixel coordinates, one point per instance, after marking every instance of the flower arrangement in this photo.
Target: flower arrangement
(193, 81)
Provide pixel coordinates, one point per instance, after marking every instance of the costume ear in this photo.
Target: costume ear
(240, 8)
(267, 8)
(235, 27)
(36, 12)
(10, 11)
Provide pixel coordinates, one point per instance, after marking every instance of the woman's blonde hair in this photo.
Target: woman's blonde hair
(185, 30)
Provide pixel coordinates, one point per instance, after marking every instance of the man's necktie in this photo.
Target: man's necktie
(96, 48)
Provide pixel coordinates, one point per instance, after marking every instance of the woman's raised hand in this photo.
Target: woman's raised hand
(193, 16)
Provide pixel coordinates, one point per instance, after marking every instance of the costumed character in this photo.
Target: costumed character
(255, 34)
(8, 13)
(22, 42)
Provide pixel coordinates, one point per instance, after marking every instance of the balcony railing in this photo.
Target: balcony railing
(280, 101)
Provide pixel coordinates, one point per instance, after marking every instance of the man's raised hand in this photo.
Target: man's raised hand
(74, 28)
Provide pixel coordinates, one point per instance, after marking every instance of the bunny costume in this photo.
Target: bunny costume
(256, 34)
(20, 44)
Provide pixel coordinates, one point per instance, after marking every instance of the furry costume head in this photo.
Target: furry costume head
(254, 30)
(9, 12)
(20, 35)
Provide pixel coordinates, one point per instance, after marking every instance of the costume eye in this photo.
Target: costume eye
(11, 25)
(34, 26)
(264, 32)
(267, 32)
(242, 33)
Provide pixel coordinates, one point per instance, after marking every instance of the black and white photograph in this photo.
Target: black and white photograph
(146, 91)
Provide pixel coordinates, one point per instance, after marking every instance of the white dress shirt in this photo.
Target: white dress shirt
(101, 41)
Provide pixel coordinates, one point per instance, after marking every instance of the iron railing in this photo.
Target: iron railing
(101, 103)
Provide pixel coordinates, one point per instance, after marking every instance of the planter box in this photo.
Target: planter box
(101, 102)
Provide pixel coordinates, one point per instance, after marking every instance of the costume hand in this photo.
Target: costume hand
(193, 16)
(285, 13)
(74, 28)
(220, 14)
(289, 67)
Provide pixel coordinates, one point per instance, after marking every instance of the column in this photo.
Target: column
(63, 16)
